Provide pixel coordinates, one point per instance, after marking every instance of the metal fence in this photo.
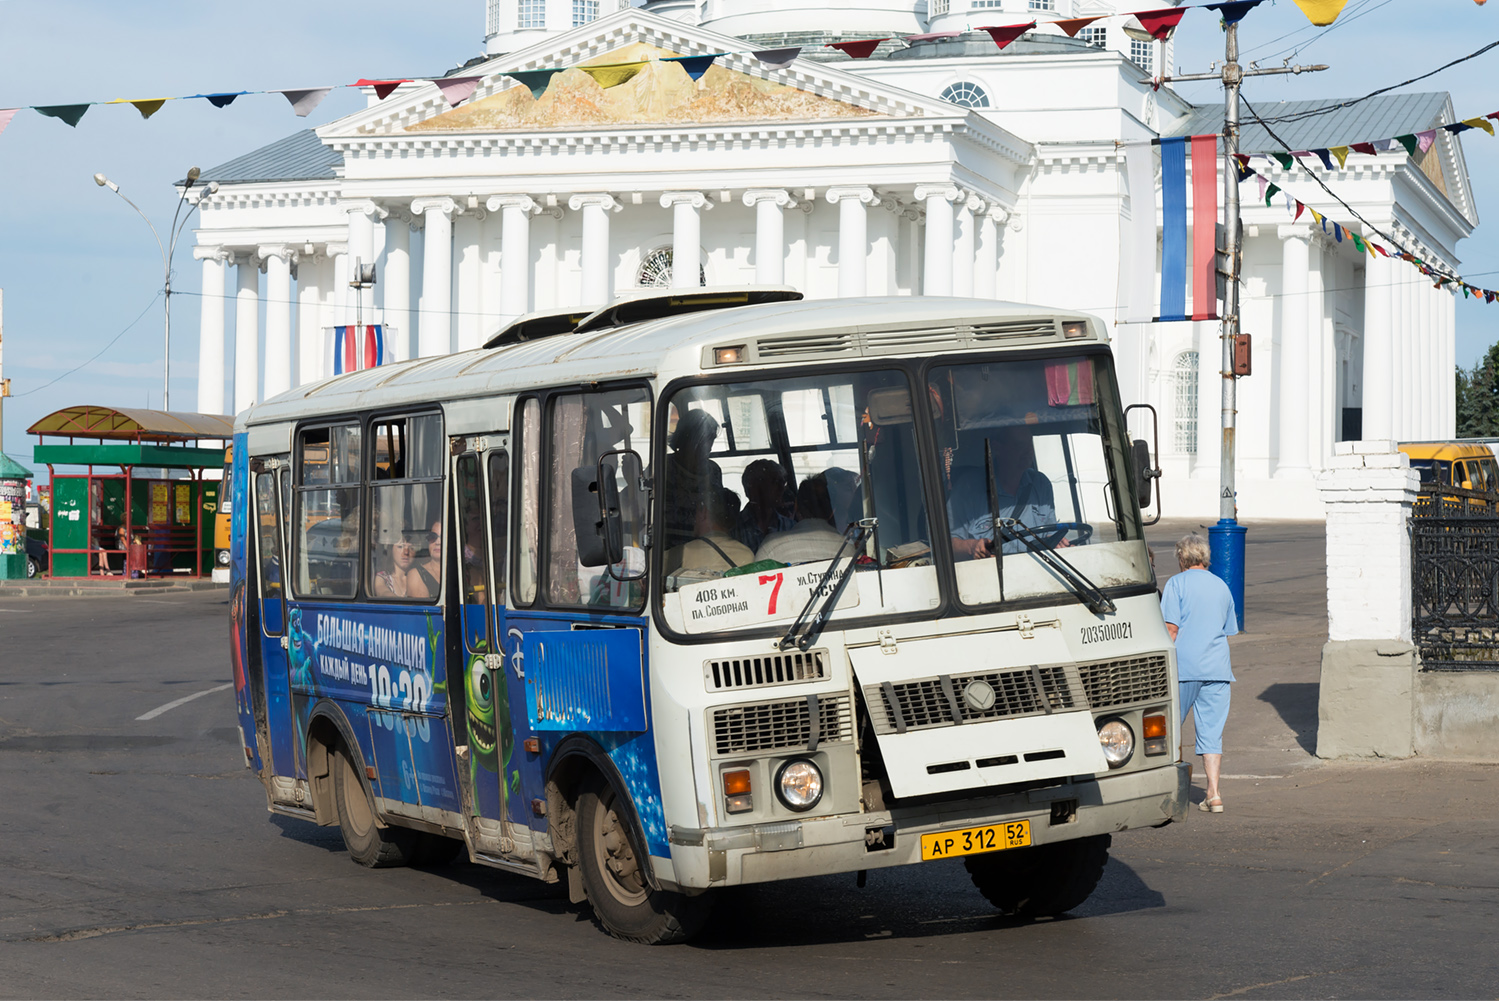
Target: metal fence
(1455, 579)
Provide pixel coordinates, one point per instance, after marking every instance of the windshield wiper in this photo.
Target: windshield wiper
(809, 624)
(1095, 599)
(994, 543)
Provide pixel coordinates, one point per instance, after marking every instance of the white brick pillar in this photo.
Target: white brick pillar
(1380, 418)
(1366, 701)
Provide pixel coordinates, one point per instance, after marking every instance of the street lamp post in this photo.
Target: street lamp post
(167, 252)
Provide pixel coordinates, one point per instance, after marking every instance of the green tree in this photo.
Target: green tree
(1478, 398)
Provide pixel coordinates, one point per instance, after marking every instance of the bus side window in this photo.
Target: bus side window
(529, 528)
(268, 548)
(406, 529)
(499, 517)
(472, 548)
(328, 511)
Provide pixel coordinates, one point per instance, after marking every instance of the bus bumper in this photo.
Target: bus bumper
(730, 856)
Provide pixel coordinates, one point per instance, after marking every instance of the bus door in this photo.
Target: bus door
(268, 526)
(482, 703)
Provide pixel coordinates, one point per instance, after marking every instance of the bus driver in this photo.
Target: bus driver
(1022, 492)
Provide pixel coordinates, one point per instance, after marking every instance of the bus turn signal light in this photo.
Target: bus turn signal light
(729, 356)
(736, 791)
(1155, 734)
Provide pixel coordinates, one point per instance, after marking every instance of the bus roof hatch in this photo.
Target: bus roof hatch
(657, 304)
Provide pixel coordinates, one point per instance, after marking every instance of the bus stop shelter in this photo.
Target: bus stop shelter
(131, 522)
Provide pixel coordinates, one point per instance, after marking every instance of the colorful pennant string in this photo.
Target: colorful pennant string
(304, 101)
(536, 80)
(1161, 23)
(613, 74)
(861, 49)
(383, 88)
(457, 89)
(220, 100)
(5, 116)
(695, 66)
(778, 58)
(1006, 34)
(70, 113)
(1072, 25)
(1234, 11)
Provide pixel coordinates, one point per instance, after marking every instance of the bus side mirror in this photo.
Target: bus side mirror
(1144, 472)
(1141, 465)
(609, 521)
(590, 520)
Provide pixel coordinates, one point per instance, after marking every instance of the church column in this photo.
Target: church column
(596, 208)
(1379, 347)
(686, 235)
(965, 242)
(937, 266)
(468, 284)
(986, 261)
(362, 218)
(515, 252)
(246, 330)
(1322, 358)
(436, 334)
(770, 233)
(395, 286)
(211, 330)
(1295, 414)
(278, 261)
(1449, 352)
(853, 237)
(312, 274)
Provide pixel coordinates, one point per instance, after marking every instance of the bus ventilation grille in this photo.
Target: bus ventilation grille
(786, 668)
(875, 342)
(1112, 683)
(783, 726)
(927, 703)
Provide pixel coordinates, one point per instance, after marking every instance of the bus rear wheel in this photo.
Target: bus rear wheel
(369, 844)
(1043, 881)
(613, 877)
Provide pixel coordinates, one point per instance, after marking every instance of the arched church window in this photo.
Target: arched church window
(530, 14)
(966, 95)
(655, 270)
(1185, 417)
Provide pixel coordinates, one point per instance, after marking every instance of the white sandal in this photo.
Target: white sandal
(1214, 805)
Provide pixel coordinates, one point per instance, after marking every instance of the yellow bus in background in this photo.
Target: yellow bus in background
(221, 520)
(1470, 466)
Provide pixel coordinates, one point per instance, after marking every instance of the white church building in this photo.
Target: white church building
(938, 166)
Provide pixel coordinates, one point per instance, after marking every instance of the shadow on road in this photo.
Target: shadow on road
(1296, 702)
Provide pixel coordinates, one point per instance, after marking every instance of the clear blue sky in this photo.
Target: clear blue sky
(78, 265)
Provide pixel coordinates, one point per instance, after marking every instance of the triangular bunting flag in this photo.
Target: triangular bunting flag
(1410, 142)
(613, 74)
(1072, 25)
(457, 89)
(1365, 148)
(1425, 139)
(1321, 12)
(1488, 297)
(1385, 145)
(1457, 128)
(776, 58)
(1270, 193)
(1284, 159)
(1300, 208)
(1006, 34)
(1358, 244)
(1341, 152)
(303, 101)
(1233, 12)
(6, 114)
(1479, 123)
(1244, 173)
(1263, 183)
(861, 49)
(147, 108)
(536, 80)
(383, 88)
(1323, 155)
(1337, 232)
(70, 113)
(222, 100)
(695, 66)
(1160, 23)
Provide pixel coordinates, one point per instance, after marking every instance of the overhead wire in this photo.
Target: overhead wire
(97, 354)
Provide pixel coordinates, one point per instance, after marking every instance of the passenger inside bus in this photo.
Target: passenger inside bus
(690, 474)
(766, 510)
(813, 537)
(423, 580)
(392, 581)
(714, 550)
(1022, 492)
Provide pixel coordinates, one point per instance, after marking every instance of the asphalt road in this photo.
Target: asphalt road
(137, 860)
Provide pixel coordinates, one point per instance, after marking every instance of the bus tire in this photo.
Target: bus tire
(1040, 882)
(623, 902)
(369, 844)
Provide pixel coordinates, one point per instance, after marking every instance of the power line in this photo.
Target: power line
(95, 358)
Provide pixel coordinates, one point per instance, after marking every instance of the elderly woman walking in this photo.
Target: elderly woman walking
(1200, 616)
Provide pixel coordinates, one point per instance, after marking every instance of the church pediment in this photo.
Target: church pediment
(658, 93)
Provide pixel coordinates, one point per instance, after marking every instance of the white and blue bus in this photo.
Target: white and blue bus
(709, 588)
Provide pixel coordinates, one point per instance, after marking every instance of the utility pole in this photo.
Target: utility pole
(4, 386)
(1227, 537)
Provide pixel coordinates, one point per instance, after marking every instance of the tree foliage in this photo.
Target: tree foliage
(1478, 398)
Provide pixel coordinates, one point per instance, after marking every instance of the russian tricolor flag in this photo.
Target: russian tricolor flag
(1138, 291)
(355, 348)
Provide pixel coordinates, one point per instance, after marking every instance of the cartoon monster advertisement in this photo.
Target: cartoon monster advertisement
(377, 658)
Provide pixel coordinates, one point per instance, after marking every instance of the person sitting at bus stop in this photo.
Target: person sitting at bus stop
(1021, 492)
(690, 474)
(424, 579)
(714, 549)
(813, 537)
(393, 583)
(1200, 617)
(764, 511)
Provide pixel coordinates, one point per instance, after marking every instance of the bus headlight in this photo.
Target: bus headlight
(1118, 741)
(799, 784)
(223, 557)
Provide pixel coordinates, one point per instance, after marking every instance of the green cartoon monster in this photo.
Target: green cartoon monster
(488, 705)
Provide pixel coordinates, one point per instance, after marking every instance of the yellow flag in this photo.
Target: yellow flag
(1321, 12)
(613, 74)
(149, 108)
(1341, 152)
(1480, 123)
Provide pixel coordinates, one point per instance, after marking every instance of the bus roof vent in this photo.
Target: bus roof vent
(658, 304)
(804, 345)
(1014, 328)
(542, 323)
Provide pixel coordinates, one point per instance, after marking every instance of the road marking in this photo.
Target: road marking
(1251, 776)
(182, 701)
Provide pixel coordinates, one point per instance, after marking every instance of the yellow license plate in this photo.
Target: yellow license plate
(951, 844)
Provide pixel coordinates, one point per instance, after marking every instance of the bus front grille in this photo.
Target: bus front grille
(1114, 683)
(942, 701)
(782, 668)
(782, 726)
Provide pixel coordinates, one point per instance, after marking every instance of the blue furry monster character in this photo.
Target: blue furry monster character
(303, 651)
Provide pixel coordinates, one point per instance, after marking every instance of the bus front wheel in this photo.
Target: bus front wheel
(613, 877)
(369, 844)
(1043, 881)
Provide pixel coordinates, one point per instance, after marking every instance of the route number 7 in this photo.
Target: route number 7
(766, 578)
